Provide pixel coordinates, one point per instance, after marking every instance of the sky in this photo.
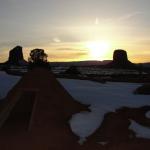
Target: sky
(72, 30)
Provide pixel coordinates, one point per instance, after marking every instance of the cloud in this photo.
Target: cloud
(145, 42)
(68, 52)
(56, 39)
(66, 56)
(124, 17)
(96, 21)
(70, 49)
(73, 54)
(130, 15)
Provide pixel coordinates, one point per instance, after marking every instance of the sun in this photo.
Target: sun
(98, 49)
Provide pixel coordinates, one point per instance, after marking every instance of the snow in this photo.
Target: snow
(141, 132)
(148, 114)
(6, 83)
(103, 98)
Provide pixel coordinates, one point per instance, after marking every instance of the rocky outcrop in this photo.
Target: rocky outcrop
(16, 56)
(120, 60)
(120, 57)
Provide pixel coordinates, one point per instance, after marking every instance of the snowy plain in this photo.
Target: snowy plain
(103, 98)
(6, 83)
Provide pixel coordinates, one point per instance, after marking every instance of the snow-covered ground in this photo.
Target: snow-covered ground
(148, 114)
(6, 83)
(140, 131)
(103, 98)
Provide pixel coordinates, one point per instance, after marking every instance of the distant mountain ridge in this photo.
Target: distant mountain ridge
(81, 63)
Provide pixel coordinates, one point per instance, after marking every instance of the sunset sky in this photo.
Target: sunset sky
(72, 30)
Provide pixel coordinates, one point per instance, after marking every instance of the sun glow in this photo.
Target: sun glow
(98, 49)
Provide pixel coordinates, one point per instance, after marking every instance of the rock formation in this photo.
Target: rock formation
(16, 56)
(120, 57)
(120, 60)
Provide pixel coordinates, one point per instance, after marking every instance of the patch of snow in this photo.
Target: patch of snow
(103, 98)
(6, 83)
(141, 131)
(83, 120)
(148, 114)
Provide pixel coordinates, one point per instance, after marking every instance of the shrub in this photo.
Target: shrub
(144, 89)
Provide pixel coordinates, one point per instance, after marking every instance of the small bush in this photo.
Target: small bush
(144, 89)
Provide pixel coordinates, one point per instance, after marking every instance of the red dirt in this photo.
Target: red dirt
(48, 127)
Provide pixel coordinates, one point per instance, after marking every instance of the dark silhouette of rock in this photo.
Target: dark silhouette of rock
(120, 56)
(72, 71)
(16, 56)
(120, 60)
